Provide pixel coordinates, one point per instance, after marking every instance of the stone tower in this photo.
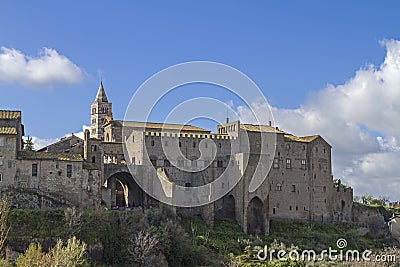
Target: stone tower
(99, 111)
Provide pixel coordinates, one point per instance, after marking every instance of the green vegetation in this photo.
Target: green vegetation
(157, 237)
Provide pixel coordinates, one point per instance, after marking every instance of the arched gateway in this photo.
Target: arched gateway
(123, 191)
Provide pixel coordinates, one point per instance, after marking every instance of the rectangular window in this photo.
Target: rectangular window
(288, 163)
(276, 163)
(1, 177)
(133, 160)
(303, 164)
(69, 170)
(1, 141)
(293, 188)
(34, 169)
(1, 160)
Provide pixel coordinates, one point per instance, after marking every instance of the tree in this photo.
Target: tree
(142, 248)
(73, 219)
(4, 228)
(29, 146)
(71, 255)
(366, 198)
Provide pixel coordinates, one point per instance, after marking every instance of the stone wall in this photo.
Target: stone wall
(81, 187)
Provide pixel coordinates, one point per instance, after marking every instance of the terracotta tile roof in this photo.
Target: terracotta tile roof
(49, 156)
(164, 126)
(260, 128)
(305, 139)
(8, 130)
(10, 114)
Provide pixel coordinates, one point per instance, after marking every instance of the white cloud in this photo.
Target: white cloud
(47, 68)
(360, 119)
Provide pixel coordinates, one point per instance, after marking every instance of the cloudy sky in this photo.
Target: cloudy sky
(329, 68)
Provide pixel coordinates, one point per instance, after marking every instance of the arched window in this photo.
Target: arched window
(278, 187)
(93, 159)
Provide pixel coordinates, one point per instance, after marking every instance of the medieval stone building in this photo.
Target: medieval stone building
(298, 186)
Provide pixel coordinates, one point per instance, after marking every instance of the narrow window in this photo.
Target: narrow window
(152, 142)
(219, 163)
(324, 188)
(220, 145)
(297, 208)
(194, 144)
(93, 159)
(278, 187)
(303, 164)
(180, 144)
(290, 207)
(69, 170)
(133, 160)
(276, 163)
(34, 169)
(273, 211)
(1, 177)
(288, 163)
(133, 139)
(293, 188)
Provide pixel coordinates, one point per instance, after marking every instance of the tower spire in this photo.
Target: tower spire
(101, 94)
(100, 112)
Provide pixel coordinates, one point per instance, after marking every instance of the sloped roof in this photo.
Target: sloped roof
(8, 130)
(49, 156)
(101, 94)
(62, 140)
(305, 139)
(10, 114)
(260, 128)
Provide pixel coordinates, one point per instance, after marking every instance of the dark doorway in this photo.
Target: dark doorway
(256, 217)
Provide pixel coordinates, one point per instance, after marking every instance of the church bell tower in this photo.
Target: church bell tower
(99, 111)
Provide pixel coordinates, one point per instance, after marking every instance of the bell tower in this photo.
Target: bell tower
(99, 111)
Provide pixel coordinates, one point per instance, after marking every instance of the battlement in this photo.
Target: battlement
(190, 135)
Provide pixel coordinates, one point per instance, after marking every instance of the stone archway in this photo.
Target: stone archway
(256, 217)
(124, 191)
(226, 208)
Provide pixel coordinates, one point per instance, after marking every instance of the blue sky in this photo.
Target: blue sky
(294, 50)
